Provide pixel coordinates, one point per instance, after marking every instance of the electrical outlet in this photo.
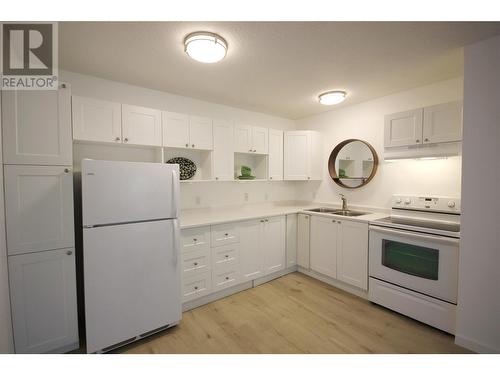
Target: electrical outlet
(246, 197)
(198, 200)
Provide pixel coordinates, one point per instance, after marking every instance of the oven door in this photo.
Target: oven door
(421, 262)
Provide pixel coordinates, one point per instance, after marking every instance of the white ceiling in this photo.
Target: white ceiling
(274, 67)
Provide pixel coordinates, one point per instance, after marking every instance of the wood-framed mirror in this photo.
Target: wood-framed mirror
(353, 163)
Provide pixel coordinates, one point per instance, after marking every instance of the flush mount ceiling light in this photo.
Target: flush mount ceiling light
(205, 47)
(332, 97)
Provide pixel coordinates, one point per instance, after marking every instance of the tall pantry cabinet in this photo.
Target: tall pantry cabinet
(37, 164)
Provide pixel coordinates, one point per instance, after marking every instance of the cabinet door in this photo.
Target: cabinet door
(352, 254)
(223, 154)
(274, 243)
(43, 301)
(200, 133)
(37, 127)
(251, 250)
(443, 123)
(403, 128)
(303, 240)
(175, 129)
(39, 208)
(296, 155)
(275, 154)
(324, 238)
(243, 138)
(291, 240)
(141, 126)
(96, 120)
(260, 138)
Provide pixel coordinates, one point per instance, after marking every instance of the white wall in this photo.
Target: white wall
(210, 193)
(6, 344)
(366, 121)
(478, 320)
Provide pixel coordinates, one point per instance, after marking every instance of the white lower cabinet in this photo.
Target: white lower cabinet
(339, 249)
(291, 240)
(324, 234)
(273, 240)
(43, 301)
(196, 286)
(303, 240)
(251, 251)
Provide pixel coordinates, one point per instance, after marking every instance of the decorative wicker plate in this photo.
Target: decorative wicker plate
(187, 168)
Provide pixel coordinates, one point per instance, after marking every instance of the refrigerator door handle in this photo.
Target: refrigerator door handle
(177, 240)
(176, 193)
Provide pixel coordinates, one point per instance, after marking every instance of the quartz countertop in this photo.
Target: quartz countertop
(197, 217)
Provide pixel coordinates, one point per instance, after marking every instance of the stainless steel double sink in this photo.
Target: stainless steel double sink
(335, 211)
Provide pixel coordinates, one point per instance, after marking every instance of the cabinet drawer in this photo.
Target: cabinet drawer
(195, 262)
(225, 234)
(223, 256)
(226, 277)
(196, 286)
(196, 238)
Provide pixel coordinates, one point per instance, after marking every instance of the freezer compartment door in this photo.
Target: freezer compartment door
(120, 192)
(132, 281)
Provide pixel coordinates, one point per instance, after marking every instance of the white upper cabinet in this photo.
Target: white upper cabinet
(430, 125)
(352, 254)
(200, 133)
(275, 154)
(183, 131)
(141, 125)
(251, 139)
(37, 127)
(96, 120)
(223, 154)
(274, 241)
(43, 301)
(443, 123)
(39, 208)
(302, 155)
(324, 238)
(260, 140)
(175, 129)
(403, 128)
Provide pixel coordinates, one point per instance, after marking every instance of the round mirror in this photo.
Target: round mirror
(352, 163)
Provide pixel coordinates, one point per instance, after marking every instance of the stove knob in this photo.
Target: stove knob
(451, 204)
(407, 201)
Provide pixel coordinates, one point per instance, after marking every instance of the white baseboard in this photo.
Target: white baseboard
(272, 276)
(186, 306)
(333, 282)
(475, 346)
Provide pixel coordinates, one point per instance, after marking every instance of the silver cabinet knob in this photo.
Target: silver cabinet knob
(216, 178)
(308, 178)
(227, 277)
(63, 86)
(67, 170)
(426, 140)
(271, 177)
(250, 150)
(267, 220)
(192, 145)
(262, 221)
(339, 222)
(195, 288)
(69, 252)
(195, 239)
(195, 263)
(125, 140)
(226, 256)
(417, 141)
(117, 139)
(187, 144)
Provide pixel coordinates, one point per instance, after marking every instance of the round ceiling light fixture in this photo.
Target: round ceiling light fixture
(205, 47)
(332, 97)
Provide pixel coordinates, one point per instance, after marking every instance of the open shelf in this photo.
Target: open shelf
(258, 164)
(202, 159)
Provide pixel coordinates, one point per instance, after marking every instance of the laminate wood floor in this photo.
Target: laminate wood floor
(295, 314)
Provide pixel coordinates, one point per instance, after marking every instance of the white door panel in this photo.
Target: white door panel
(37, 127)
(352, 254)
(117, 192)
(291, 240)
(275, 155)
(274, 243)
(132, 281)
(243, 138)
(403, 128)
(96, 120)
(260, 139)
(39, 208)
(43, 301)
(296, 155)
(324, 238)
(200, 133)
(251, 250)
(443, 123)
(141, 125)
(223, 154)
(175, 130)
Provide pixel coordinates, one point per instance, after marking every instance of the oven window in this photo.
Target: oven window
(411, 259)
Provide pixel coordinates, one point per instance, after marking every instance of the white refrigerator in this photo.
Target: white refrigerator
(131, 251)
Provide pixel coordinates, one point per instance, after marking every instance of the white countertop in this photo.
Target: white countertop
(197, 217)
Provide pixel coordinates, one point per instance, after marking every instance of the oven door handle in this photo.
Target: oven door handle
(417, 236)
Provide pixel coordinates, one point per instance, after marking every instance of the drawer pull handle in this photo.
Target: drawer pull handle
(69, 252)
(187, 145)
(195, 263)
(227, 256)
(227, 277)
(195, 288)
(226, 234)
(195, 239)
